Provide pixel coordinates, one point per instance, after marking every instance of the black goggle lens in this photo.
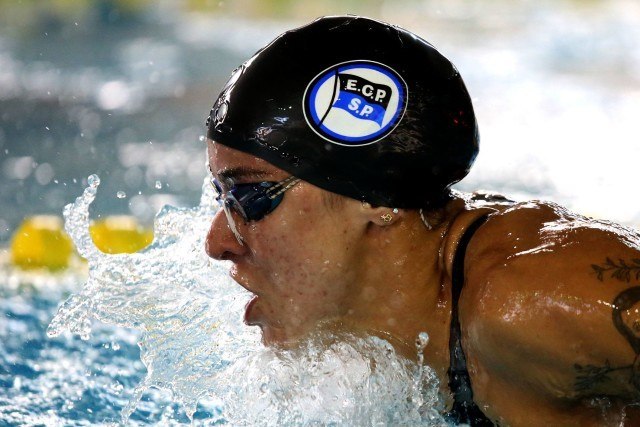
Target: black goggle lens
(253, 201)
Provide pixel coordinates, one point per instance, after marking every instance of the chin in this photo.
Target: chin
(272, 337)
(278, 337)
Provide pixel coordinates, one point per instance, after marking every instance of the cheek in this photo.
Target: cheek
(304, 272)
(303, 256)
(290, 242)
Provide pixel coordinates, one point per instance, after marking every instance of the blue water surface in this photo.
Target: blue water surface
(67, 380)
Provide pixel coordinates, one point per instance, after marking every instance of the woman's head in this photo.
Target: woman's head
(306, 260)
(362, 117)
(356, 107)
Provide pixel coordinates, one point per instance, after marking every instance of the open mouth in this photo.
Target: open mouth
(250, 317)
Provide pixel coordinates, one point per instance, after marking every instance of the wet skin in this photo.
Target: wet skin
(548, 323)
(295, 260)
(315, 264)
(543, 331)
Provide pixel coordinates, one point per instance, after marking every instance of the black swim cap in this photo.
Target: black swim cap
(354, 106)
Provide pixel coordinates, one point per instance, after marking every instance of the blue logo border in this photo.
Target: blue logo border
(324, 132)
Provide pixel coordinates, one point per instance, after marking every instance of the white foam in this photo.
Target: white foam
(194, 344)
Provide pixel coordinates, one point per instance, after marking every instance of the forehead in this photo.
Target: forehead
(222, 158)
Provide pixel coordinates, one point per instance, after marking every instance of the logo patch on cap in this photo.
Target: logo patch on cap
(355, 103)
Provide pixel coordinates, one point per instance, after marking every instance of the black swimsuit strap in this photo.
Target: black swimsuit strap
(464, 408)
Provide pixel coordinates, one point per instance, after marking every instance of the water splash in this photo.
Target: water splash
(194, 344)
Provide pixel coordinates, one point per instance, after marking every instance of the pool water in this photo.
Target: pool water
(185, 355)
(157, 337)
(555, 86)
(63, 381)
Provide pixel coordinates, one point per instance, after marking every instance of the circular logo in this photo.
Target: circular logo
(355, 103)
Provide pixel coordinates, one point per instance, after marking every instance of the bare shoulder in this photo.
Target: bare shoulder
(531, 230)
(550, 310)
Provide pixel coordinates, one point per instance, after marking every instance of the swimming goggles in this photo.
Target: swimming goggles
(253, 201)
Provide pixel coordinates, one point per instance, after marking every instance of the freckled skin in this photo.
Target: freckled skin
(330, 266)
(294, 269)
(530, 310)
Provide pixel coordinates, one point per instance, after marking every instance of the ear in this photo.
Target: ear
(381, 215)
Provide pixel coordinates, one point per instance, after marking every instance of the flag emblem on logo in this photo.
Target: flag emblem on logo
(355, 103)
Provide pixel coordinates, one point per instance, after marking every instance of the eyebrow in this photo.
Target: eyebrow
(240, 172)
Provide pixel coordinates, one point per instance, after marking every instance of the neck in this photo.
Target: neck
(409, 292)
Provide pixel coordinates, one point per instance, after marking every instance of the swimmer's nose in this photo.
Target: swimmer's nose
(222, 243)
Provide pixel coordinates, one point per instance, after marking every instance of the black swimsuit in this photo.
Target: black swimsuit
(464, 408)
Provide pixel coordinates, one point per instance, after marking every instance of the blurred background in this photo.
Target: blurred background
(122, 88)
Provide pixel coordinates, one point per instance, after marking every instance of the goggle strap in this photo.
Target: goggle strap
(281, 187)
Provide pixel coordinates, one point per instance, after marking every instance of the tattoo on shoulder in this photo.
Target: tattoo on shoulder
(622, 270)
(591, 377)
(625, 309)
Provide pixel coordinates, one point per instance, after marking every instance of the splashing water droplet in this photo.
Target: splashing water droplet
(93, 180)
(121, 194)
(201, 138)
(190, 315)
(422, 341)
(158, 185)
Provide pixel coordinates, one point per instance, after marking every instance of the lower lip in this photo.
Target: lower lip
(248, 311)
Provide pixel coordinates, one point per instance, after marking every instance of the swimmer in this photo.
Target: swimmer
(333, 150)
